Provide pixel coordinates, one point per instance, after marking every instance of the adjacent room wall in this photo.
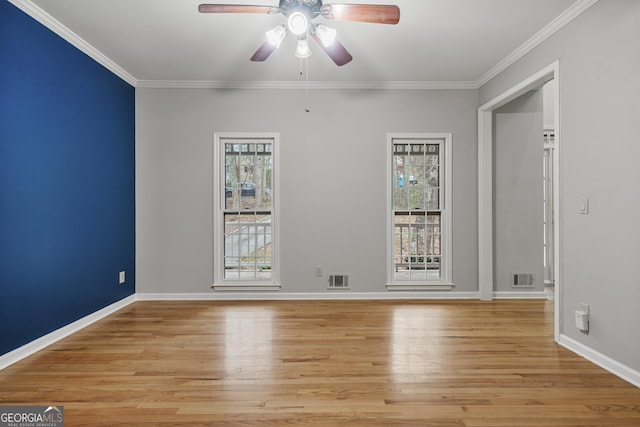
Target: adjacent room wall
(599, 82)
(332, 180)
(67, 185)
(548, 105)
(518, 199)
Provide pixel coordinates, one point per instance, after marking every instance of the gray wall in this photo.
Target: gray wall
(518, 198)
(332, 180)
(599, 147)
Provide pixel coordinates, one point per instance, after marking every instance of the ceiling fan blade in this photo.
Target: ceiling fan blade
(236, 8)
(336, 51)
(263, 52)
(374, 13)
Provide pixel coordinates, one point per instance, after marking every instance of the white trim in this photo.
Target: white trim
(55, 336)
(54, 25)
(485, 177)
(447, 213)
(298, 296)
(520, 295)
(485, 183)
(246, 287)
(426, 287)
(547, 31)
(218, 217)
(613, 366)
(319, 85)
(556, 203)
(534, 81)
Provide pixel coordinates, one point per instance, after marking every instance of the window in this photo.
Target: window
(245, 214)
(419, 200)
(547, 191)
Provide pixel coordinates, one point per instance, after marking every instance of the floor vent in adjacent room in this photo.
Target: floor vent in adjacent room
(522, 280)
(338, 281)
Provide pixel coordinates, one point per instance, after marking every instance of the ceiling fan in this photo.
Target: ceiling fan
(300, 14)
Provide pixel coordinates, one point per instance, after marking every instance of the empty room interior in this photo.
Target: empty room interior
(307, 212)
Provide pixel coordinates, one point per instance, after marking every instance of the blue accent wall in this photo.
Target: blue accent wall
(67, 182)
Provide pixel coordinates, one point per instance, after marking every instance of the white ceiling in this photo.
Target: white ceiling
(436, 41)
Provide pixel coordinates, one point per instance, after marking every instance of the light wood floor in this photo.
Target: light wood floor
(423, 363)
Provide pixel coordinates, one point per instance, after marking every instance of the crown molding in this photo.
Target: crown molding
(312, 85)
(551, 28)
(54, 25)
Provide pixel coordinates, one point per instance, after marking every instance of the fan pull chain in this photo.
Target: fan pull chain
(306, 60)
(307, 109)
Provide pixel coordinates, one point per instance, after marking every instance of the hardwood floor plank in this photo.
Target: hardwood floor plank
(322, 363)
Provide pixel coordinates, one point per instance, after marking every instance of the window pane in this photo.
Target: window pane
(418, 210)
(417, 238)
(416, 203)
(416, 176)
(247, 212)
(248, 170)
(247, 246)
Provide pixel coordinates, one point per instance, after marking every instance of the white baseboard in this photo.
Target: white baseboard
(270, 296)
(626, 373)
(520, 295)
(46, 340)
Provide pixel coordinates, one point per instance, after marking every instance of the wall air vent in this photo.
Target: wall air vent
(522, 280)
(338, 281)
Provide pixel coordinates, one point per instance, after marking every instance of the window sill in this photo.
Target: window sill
(246, 287)
(407, 286)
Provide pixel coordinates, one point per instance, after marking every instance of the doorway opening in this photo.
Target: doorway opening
(486, 183)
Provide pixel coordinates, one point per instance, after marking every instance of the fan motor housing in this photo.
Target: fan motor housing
(310, 7)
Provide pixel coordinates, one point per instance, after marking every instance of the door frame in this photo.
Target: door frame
(485, 183)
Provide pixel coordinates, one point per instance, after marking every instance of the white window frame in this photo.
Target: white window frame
(220, 283)
(444, 283)
(548, 177)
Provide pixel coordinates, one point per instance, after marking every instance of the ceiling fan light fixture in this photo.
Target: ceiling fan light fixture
(302, 49)
(327, 35)
(298, 23)
(275, 36)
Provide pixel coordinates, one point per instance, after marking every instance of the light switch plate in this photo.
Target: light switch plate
(583, 205)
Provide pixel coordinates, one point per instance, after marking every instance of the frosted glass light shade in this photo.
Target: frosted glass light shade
(275, 36)
(302, 49)
(327, 35)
